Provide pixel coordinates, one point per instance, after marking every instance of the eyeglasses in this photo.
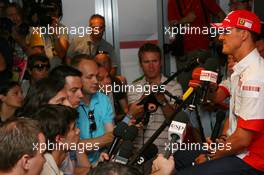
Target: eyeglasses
(41, 67)
(92, 121)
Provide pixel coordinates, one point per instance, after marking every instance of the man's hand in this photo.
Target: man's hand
(201, 159)
(162, 166)
(135, 110)
(102, 158)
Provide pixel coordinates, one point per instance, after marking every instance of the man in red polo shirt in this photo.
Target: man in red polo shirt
(243, 152)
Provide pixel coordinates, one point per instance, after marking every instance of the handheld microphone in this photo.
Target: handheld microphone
(207, 77)
(119, 134)
(220, 116)
(194, 83)
(150, 103)
(124, 152)
(176, 133)
(130, 133)
(148, 154)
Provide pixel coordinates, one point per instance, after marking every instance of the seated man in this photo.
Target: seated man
(242, 148)
(150, 62)
(21, 147)
(58, 125)
(70, 79)
(96, 114)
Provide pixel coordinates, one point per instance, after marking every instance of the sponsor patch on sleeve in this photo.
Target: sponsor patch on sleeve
(251, 90)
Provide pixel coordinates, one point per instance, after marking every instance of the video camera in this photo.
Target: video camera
(44, 13)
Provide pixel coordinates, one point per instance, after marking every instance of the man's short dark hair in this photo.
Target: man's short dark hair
(97, 16)
(39, 94)
(59, 74)
(32, 59)
(110, 168)
(5, 87)
(75, 61)
(55, 120)
(255, 37)
(148, 47)
(17, 137)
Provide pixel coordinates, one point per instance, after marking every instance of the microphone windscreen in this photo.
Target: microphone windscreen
(196, 73)
(151, 152)
(126, 149)
(194, 83)
(119, 129)
(181, 117)
(131, 133)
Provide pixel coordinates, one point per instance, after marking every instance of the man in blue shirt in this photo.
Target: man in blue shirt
(96, 113)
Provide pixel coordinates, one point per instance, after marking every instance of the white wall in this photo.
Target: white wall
(137, 22)
(77, 12)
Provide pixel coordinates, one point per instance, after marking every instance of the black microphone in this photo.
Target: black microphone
(130, 133)
(119, 134)
(150, 103)
(177, 116)
(207, 77)
(125, 151)
(150, 153)
(220, 116)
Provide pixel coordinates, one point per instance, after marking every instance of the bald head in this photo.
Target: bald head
(104, 60)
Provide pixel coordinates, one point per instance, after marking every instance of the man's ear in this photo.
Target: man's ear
(245, 34)
(25, 162)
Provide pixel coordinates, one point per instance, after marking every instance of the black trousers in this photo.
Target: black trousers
(230, 165)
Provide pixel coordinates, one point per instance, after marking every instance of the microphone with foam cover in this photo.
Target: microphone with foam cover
(148, 154)
(119, 134)
(194, 83)
(125, 151)
(130, 133)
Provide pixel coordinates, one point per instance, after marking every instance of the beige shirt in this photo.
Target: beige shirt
(50, 167)
(156, 118)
